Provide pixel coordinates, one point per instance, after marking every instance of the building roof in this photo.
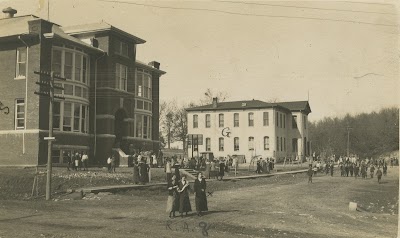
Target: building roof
(99, 27)
(254, 104)
(297, 106)
(148, 67)
(57, 33)
(15, 25)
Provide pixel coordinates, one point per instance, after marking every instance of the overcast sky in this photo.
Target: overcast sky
(345, 54)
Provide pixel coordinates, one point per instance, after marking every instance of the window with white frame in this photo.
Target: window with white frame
(143, 126)
(236, 144)
(70, 116)
(266, 119)
(284, 120)
(143, 83)
(251, 143)
(266, 143)
(305, 122)
(71, 63)
(221, 120)
(19, 114)
(251, 119)
(284, 144)
(221, 144)
(208, 144)
(236, 120)
(277, 119)
(208, 120)
(20, 70)
(121, 72)
(277, 143)
(67, 117)
(139, 126)
(281, 144)
(294, 122)
(195, 121)
(56, 115)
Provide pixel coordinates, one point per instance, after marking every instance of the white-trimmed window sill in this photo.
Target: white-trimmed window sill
(19, 78)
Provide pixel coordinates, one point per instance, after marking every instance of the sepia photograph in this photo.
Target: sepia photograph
(199, 118)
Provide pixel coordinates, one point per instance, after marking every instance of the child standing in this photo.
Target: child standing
(310, 174)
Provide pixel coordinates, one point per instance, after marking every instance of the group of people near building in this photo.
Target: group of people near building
(76, 161)
(178, 195)
(265, 165)
(350, 166)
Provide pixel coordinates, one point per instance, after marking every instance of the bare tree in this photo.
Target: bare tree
(209, 94)
(180, 126)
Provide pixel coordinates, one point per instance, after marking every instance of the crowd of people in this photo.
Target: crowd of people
(76, 161)
(265, 165)
(351, 167)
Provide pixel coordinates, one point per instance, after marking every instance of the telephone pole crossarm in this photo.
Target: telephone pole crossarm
(46, 83)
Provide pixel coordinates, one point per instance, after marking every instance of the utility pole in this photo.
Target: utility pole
(46, 83)
(348, 140)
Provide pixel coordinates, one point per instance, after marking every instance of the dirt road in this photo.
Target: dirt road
(280, 206)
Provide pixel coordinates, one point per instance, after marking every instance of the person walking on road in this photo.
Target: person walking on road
(331, 169)
(372, 170)
(200, 194)
(221, 173)
(379, 174)
(310, 173)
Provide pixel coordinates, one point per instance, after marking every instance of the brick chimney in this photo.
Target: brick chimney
(9, 12)
(215, 102)
(155, 64)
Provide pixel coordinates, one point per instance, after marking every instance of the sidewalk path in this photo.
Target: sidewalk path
(114, 188)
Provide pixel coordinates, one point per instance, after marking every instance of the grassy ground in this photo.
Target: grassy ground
(279, 206)
(16, 182)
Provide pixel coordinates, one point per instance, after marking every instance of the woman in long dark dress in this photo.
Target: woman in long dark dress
(184, 202)
(135, 172)
(143, 172)
(173, 197)
(200, 194)
(221, 169)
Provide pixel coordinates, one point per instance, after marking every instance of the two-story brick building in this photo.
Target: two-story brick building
(111, 99)
(250, 128)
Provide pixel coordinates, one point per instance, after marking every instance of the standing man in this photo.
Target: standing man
(109, 159)
(85, 159)
(379, 174)
(310, 173)
(331, 168)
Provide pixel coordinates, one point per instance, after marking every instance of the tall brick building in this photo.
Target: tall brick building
(111, 99)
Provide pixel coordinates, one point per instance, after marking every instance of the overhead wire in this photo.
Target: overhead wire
(248, 14)
(301, 7)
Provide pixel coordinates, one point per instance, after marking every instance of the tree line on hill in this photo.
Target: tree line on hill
(370, 134)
